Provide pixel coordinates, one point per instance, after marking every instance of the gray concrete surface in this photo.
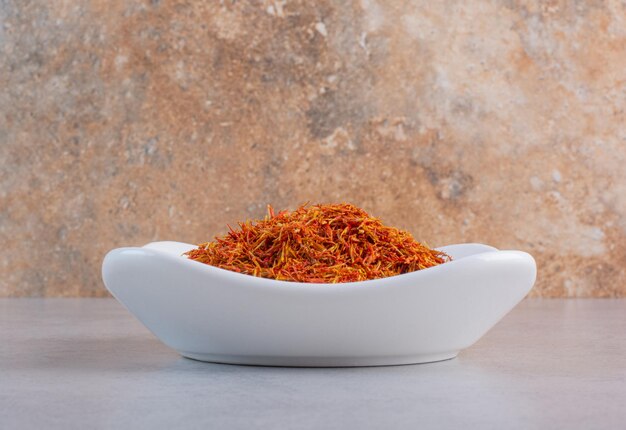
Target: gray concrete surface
(86, 363)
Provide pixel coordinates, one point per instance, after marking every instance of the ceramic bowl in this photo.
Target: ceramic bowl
(210, 314)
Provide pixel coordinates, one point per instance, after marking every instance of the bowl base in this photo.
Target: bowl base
(250, 360)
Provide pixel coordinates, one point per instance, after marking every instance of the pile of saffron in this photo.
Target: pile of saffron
(320, 243)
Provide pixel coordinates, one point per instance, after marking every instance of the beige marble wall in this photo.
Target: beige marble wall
(500, 122)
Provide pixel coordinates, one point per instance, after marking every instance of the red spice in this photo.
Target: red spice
(320, 243)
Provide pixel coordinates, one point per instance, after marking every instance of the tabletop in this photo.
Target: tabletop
(87, 363)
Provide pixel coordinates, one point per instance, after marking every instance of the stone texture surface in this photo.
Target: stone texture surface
(87, 363)
(127, 122)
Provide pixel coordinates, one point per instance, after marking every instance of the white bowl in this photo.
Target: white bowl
(211, 314)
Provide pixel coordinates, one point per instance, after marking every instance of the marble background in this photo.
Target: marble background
(123, 122)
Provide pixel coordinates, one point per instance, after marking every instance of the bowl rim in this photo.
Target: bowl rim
(486, 256)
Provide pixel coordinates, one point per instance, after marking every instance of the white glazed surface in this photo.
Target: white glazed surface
(211, 314)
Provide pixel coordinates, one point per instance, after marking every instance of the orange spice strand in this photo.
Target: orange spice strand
(320, 243)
